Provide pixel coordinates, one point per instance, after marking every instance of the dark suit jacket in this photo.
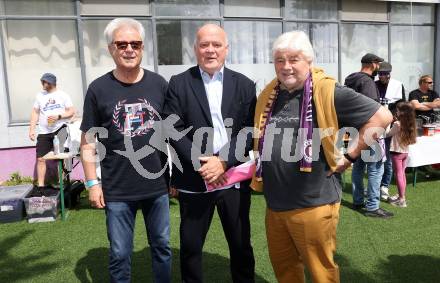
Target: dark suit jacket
(187, 99)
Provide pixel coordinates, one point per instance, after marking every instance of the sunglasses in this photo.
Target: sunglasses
(430, 83)
(384, 73)
(123, 45)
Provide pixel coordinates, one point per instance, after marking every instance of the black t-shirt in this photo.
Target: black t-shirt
(430, 96)
(285, 187)
(364, 84)
(127, 111)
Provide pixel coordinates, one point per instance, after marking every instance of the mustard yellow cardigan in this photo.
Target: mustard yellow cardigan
(323, 98)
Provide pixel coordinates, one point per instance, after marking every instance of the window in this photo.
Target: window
(412, 50)
(33, 47)
(97, 59)
(312, 9)
(175, 44)
(359, 39)
(416, 13)
(324, 39)
(204, 8)
(252, 8)
(115, 7)
(39, 8)
(250, 49)
(364, 10)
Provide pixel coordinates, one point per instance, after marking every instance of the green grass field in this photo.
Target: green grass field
(405, 248)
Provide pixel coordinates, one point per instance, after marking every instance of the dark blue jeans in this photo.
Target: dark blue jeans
(121, 218)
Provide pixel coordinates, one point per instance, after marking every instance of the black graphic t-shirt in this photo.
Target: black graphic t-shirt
(429, 96)
(285, 187)
(128, 112)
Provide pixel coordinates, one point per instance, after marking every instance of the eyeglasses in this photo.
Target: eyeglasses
(430, 83)
(122, 45)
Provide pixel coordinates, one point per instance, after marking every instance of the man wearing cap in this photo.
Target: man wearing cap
(363, 82)
(51, 109)
(390, 92)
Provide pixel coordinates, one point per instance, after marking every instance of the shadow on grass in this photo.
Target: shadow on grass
(15, 267)
(410, 268)
(350, 274)
(94, 267)
(349, 205)
(424, 174)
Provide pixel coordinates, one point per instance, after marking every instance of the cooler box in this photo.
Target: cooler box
(42, 209)
(11, 202)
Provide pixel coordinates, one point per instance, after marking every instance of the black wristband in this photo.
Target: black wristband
(349, 158)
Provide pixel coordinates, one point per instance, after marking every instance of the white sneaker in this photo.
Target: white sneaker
(399, 203)
(384, 193)
(393, 198)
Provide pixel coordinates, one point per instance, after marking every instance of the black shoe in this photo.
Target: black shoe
(358, 206)
(379, 213)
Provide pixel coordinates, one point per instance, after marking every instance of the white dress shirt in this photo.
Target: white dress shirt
(214, 92)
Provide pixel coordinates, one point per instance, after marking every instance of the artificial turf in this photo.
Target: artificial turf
(405, 248)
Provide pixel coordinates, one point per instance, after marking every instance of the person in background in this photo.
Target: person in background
(424, 99)
(403, 133)
(126, 103)
(303, 196)
(390, 92)
(363, 82)
(52, 109)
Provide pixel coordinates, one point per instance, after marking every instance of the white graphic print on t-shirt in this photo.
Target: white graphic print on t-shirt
(51, 104)
(134, 119)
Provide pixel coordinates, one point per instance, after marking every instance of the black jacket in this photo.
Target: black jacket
(187, 99)
(364, 84)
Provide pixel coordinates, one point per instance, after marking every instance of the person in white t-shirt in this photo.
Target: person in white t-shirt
(52, 109)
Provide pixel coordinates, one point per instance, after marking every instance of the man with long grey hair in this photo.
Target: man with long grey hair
(303, 193)
(125, 103)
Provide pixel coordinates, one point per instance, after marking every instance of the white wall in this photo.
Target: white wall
(10, 136)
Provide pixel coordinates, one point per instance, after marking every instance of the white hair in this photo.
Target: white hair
(294, 41)
(118, 23)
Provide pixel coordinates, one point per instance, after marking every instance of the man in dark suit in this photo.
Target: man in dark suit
(208, 97)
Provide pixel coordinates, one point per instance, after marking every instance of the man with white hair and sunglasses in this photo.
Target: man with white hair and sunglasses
(303, 192)
(126, 103)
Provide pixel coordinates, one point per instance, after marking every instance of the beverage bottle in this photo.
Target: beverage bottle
(56, 145)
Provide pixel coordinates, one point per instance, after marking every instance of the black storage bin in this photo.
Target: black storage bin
(11, 202)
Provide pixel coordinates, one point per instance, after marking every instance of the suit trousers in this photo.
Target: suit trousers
(301, 238)
(196, 212)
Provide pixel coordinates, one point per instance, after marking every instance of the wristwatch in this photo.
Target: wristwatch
(59, 116)
(349, 158)
(90, 183)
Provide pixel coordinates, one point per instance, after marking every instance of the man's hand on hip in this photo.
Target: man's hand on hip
(342, 165)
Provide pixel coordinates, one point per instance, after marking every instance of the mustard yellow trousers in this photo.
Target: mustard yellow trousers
(303, 238)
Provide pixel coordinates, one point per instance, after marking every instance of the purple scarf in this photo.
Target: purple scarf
(306, 126)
